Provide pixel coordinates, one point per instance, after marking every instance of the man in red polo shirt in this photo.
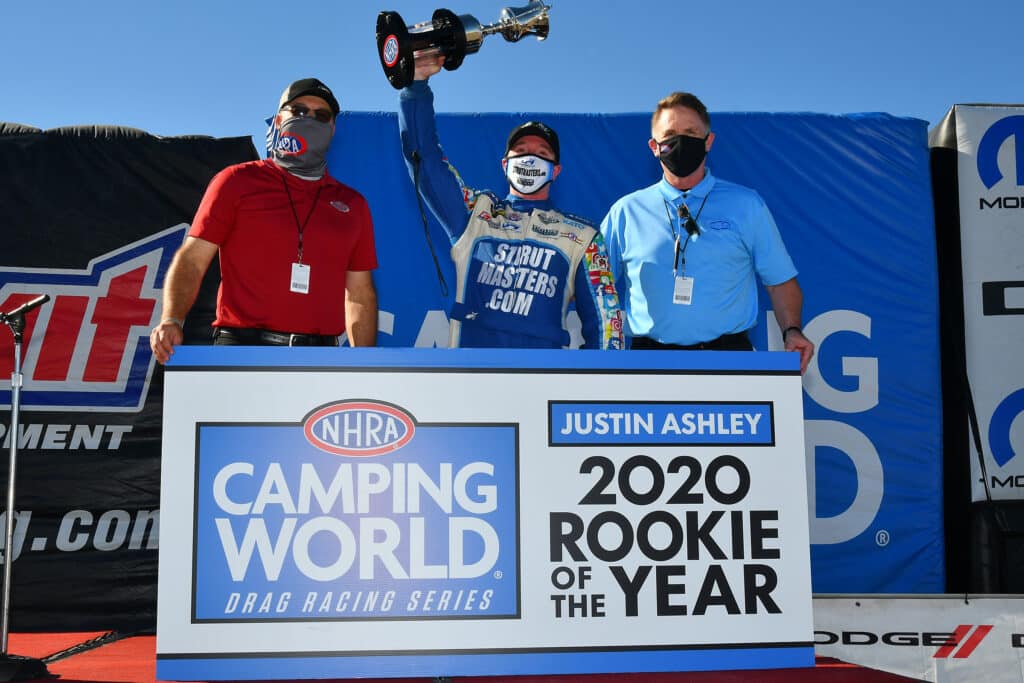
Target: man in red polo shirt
(296, 246)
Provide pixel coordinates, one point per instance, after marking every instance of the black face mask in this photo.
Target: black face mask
(682, 154)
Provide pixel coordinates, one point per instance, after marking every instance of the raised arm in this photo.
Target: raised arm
(439, 184)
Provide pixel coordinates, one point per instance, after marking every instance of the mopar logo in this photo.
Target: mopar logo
(999, 427)
(992, 142)
(359, 428)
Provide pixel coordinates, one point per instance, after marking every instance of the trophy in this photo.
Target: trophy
(451, 35)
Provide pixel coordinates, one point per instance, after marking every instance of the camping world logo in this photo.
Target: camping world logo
(991, 144)
(414, 520)
(88, 348)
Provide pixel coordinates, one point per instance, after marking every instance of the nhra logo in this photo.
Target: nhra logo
(88, 349)
(390, 51)
(359, 428)
(992, 142)
(291, 144)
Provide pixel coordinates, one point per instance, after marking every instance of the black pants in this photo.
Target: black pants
(727, 342)
(247, 336)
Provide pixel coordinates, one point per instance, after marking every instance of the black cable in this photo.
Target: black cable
(98, 641)
(423, 217)
(972, 417)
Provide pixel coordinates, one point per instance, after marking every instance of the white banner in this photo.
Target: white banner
(990, 142)
(335, 513)
(944, 638)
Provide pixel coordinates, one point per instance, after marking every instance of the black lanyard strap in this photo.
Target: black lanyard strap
(679, 251)
(691, 226)
(301, 227)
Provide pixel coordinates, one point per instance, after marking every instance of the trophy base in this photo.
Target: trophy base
(397, 45)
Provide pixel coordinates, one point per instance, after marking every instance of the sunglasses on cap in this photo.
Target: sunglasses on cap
(302, 111)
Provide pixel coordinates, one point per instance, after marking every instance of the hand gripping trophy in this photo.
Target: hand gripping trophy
(451, 35)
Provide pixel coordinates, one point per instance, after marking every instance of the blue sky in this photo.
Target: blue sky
(216, 68)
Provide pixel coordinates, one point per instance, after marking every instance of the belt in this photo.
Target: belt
(738, 341)
(254, 336)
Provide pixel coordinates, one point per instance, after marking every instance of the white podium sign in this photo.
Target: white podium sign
(333, 513)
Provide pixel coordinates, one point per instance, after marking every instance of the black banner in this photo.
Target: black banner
(91, 217)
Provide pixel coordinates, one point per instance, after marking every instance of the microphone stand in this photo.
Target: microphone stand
(15, 667)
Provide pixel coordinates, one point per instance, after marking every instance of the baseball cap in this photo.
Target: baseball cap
(541, 130)
(309, 86)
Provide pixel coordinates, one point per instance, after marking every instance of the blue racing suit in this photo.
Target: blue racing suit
(518, 262)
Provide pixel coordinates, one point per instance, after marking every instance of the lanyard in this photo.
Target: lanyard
(692, 230)
(301, 227)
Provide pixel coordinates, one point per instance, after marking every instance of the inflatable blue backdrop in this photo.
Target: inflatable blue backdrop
(852, 198)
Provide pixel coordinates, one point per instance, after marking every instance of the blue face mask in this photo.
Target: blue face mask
(529, 173)
(301, 146)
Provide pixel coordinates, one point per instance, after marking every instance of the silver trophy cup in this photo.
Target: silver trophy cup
(454, 36)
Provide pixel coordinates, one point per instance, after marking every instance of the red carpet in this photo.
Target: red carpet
(106, 658)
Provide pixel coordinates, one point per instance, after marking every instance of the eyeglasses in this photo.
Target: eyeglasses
(302, 111)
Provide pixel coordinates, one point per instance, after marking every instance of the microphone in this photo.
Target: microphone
(690, 225)
(25, 308)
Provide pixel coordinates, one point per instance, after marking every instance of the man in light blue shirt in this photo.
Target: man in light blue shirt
(686, 252)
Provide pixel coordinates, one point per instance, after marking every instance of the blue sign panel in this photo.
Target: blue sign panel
(651, 424)
(358, 513)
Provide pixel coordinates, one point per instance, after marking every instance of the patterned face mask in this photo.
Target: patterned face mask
(528, 173)
(301, 146)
